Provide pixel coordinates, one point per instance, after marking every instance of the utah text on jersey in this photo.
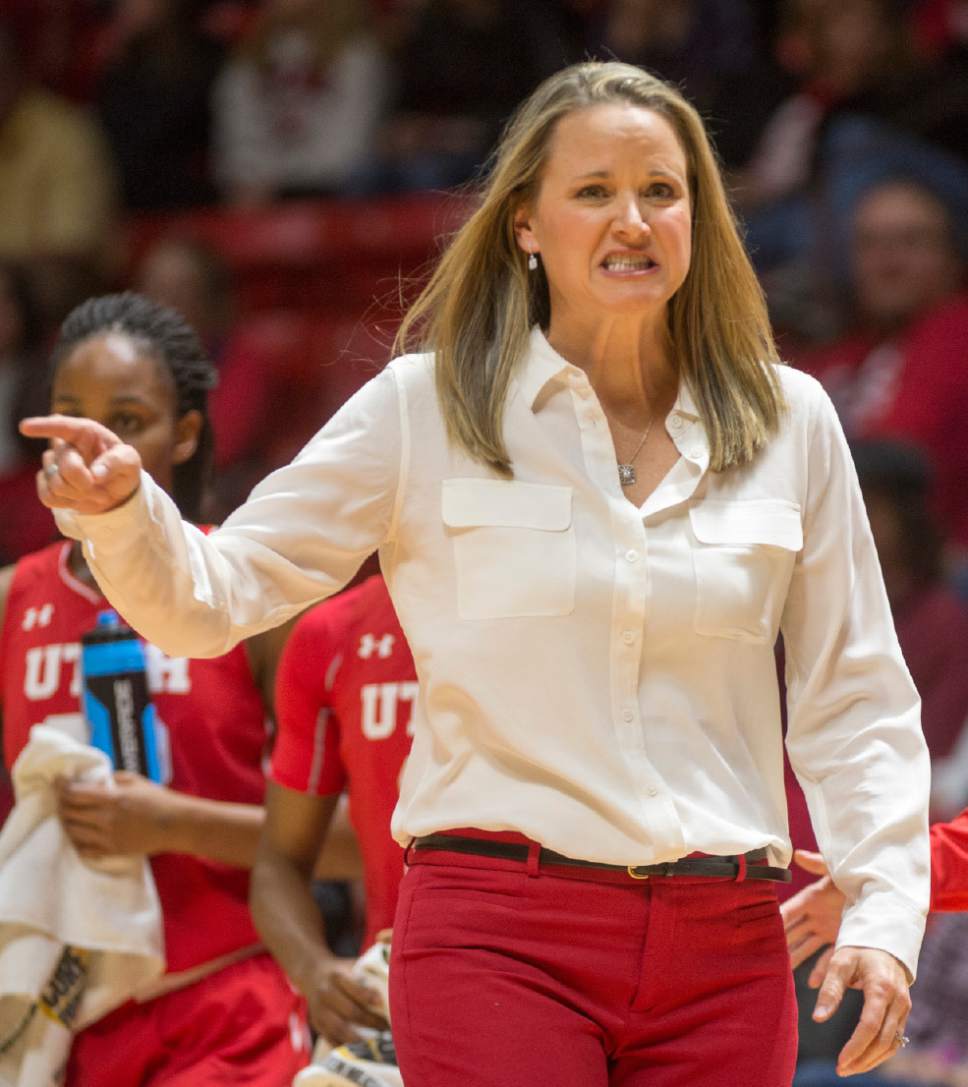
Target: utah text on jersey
(380, 704)
(46, 667)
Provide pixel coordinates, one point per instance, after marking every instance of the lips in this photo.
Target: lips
(628, 262)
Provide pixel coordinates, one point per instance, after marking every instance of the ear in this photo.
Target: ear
(523, 231)
(188, 433)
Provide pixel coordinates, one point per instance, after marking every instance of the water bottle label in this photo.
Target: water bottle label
(122, 721)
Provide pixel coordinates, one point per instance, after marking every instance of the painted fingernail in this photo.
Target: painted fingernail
(99, 470)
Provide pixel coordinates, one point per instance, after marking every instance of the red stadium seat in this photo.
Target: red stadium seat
(316, 256)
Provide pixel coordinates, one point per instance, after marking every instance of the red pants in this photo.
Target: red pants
(503, 975)
(241, 1025)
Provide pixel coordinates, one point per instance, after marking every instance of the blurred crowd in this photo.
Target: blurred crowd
(148, 143)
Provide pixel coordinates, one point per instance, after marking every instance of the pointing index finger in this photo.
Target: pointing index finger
(86, 435)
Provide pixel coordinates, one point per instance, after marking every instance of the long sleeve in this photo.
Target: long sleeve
(300, 537)
(854, 735)
(949, 864)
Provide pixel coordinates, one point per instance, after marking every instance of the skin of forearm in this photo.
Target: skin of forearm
(214, 830)
(340, 856)
(286, 916)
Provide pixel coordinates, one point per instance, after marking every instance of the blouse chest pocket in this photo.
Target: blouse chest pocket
(743, 558)
(514, 547)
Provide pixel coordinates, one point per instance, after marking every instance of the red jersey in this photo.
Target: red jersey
(344, 693)
(210, 710)
(914, 389)
(949, 864)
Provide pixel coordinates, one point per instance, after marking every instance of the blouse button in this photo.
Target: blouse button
(628, 636)
(627, 715)
(631, 556)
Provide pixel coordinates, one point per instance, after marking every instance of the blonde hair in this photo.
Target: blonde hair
(477, 309)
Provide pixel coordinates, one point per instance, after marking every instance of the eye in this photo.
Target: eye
(125, 422)
(660, 190)
(592, 192)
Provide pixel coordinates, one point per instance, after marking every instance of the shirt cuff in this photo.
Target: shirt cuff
(111, 531)
(886, 924)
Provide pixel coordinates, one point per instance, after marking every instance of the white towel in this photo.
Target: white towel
(77, 938)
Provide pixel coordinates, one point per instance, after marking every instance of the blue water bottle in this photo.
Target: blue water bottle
(117, 705)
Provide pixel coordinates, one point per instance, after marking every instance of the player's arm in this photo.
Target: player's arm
(340, 856)
(142, 817)
(139, 816)
(289, 921)
(264, 652)
(307, 777)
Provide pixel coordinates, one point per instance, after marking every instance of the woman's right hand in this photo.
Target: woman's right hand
(87, 468)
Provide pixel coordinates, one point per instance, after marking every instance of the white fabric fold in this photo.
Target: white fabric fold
(77, 938)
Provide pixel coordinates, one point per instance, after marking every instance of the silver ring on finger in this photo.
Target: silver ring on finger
(901, 1039)
(51, 470)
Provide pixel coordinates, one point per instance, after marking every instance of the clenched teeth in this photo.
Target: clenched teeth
(628, 264)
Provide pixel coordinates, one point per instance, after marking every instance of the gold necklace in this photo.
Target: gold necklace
(626, 472)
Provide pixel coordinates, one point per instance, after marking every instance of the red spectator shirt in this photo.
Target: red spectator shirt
(344, 693)
(913, 389)
(932, 628)
(949, 864)
(213, 717)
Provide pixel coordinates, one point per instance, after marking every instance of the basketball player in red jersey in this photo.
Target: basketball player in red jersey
(224, 1012)
(344, 694)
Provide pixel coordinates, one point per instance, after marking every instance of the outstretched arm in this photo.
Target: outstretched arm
(300, 537)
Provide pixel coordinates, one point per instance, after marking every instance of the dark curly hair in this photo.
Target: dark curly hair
(164, 335)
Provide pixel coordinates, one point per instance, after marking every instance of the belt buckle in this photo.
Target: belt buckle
(632, 870)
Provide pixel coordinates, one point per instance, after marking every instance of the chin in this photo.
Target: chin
(634, 303)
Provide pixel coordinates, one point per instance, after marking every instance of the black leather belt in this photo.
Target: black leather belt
(730, 867)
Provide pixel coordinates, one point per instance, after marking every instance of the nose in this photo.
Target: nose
(629, 222)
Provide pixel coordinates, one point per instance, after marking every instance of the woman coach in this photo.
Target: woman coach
(597, 498)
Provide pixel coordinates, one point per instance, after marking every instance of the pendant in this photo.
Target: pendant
(626, 474)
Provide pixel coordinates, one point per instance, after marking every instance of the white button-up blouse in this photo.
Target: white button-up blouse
(595, 675)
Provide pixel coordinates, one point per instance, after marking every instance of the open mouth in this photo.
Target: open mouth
(628, 263)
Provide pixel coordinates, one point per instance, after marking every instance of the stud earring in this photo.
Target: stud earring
(532, 262)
